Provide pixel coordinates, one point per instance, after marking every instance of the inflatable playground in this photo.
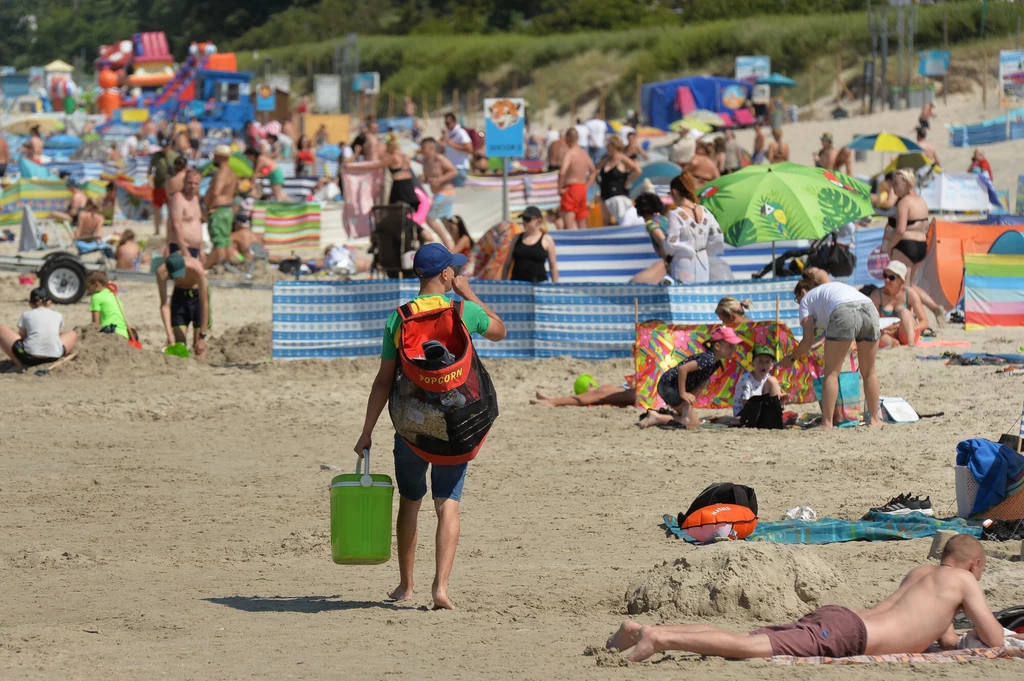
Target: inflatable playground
(140, 74)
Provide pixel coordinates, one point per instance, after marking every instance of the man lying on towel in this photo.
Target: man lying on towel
(909, 621)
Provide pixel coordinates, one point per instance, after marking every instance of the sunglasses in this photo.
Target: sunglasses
(890, 277)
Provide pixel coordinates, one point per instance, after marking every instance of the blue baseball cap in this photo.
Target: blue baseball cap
(432, 259)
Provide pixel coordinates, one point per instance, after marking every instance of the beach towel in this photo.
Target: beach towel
(943, 344)
(492, 250)
(660, 346)
(945, 656)
(849, 403)
(362, 187)
(872, 527)
(287, 226)
(998, 469)
(984, 359)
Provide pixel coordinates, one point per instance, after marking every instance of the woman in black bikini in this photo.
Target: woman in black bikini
(531, 250)
(615, 172)
(403, 186)
(906, 239)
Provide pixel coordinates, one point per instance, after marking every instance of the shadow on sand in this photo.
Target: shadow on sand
(303, 604)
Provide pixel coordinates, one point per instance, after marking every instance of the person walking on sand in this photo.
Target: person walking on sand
(185, 219)
(574, 177)
(778, 150)
(926, 146)
(190, 301)
(920, 613)
(220, 204)
(439, 172)
(161, 166)
(434, 265)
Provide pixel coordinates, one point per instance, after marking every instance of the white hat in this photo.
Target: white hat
(898, 268)
(222, 150)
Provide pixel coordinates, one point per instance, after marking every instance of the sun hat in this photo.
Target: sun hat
(724, 333)
(898, 268)
(764, 350)
(584, 383)
(222, 150)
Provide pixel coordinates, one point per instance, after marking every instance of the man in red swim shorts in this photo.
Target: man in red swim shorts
(917, 615)
(161, 167)
(574, 177)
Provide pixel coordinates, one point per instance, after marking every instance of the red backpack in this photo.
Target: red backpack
(443, 412)
(476, 138)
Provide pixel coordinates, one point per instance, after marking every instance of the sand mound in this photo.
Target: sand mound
(739, 580)
(13, 292)
(243, 345)
(102, 354)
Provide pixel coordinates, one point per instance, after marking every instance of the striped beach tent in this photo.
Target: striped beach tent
(993, 290)
(287, 226)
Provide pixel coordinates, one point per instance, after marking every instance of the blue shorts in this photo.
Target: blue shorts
(460, 179)
(443, 207)
(411, 476)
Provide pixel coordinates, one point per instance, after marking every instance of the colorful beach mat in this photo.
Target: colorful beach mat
(942, 657)
(872, 527)
(660, 346)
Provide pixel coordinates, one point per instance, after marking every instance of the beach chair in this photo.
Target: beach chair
(685, 101)
(743, 118)
(727, 121)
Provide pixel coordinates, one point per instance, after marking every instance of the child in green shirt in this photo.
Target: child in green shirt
(105, 307)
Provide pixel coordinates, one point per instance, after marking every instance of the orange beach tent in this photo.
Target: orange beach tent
(942, 274)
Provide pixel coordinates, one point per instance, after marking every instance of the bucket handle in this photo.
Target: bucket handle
(365, 480)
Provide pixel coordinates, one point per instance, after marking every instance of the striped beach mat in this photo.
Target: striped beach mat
(937, 657)
(993, 290)
(287, 226)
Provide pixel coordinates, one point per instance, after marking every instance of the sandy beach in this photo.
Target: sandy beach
(168, 518)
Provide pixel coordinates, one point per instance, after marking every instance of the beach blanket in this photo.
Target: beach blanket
(491, 251)
(362, 187)
(983, 359)
(945, 656)
(287, 226)
(660, 346)
(872, 527)
(924, 343)
(998, 469)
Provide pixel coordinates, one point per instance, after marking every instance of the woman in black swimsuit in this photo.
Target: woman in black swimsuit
(615, 172)
(906, 238)
(531, 250)
(403, 186)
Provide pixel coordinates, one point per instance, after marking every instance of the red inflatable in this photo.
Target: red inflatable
(720, 520)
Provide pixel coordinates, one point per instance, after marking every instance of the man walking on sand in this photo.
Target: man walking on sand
(917, 615)
(220, 204)
(574, 177)
(439, 173)
(433, 265)
(185, 217)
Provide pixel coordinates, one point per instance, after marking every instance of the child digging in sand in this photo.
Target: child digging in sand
(692, 374)
(105, 307)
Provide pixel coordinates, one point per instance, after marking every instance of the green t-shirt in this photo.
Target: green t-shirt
(473, 316)
(162, 164)
(105, 302)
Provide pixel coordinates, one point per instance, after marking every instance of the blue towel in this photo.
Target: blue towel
(872, 527)
(998, 469)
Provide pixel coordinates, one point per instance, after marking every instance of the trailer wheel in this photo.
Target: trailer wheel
(63, 277)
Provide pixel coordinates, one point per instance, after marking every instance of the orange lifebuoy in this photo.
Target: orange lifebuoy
(720, 520)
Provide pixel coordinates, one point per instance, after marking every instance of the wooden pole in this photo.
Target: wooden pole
(426, 112)
(515, 86)
(572, 107)
(984, 81)
(391, 104)
(636, 313)
(602, 106)
(839, 78)
(543, 104)
(639, 93)
(945, 44)
(439, 98)
(455, 101)
(810, 75)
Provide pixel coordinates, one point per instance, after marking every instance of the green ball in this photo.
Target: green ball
(584, 383)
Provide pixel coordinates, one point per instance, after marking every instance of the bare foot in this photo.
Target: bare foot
(543, 399)
(625, 638)
(441, 601)
(650, 419)
(401, 593)
(645, 646)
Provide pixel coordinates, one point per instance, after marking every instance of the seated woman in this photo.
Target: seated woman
(38, 338)
(897, 299)
(679, 386)
(589, 393)
(653, 212)
(89, 232)
(128, 255)
(733, 312)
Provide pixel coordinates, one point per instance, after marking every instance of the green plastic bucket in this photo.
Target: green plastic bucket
(361, 517)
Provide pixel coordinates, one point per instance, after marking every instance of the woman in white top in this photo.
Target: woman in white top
(694, 239)
(847, 316)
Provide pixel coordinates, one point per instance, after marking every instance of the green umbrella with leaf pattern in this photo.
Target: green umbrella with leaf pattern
(784, 201)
